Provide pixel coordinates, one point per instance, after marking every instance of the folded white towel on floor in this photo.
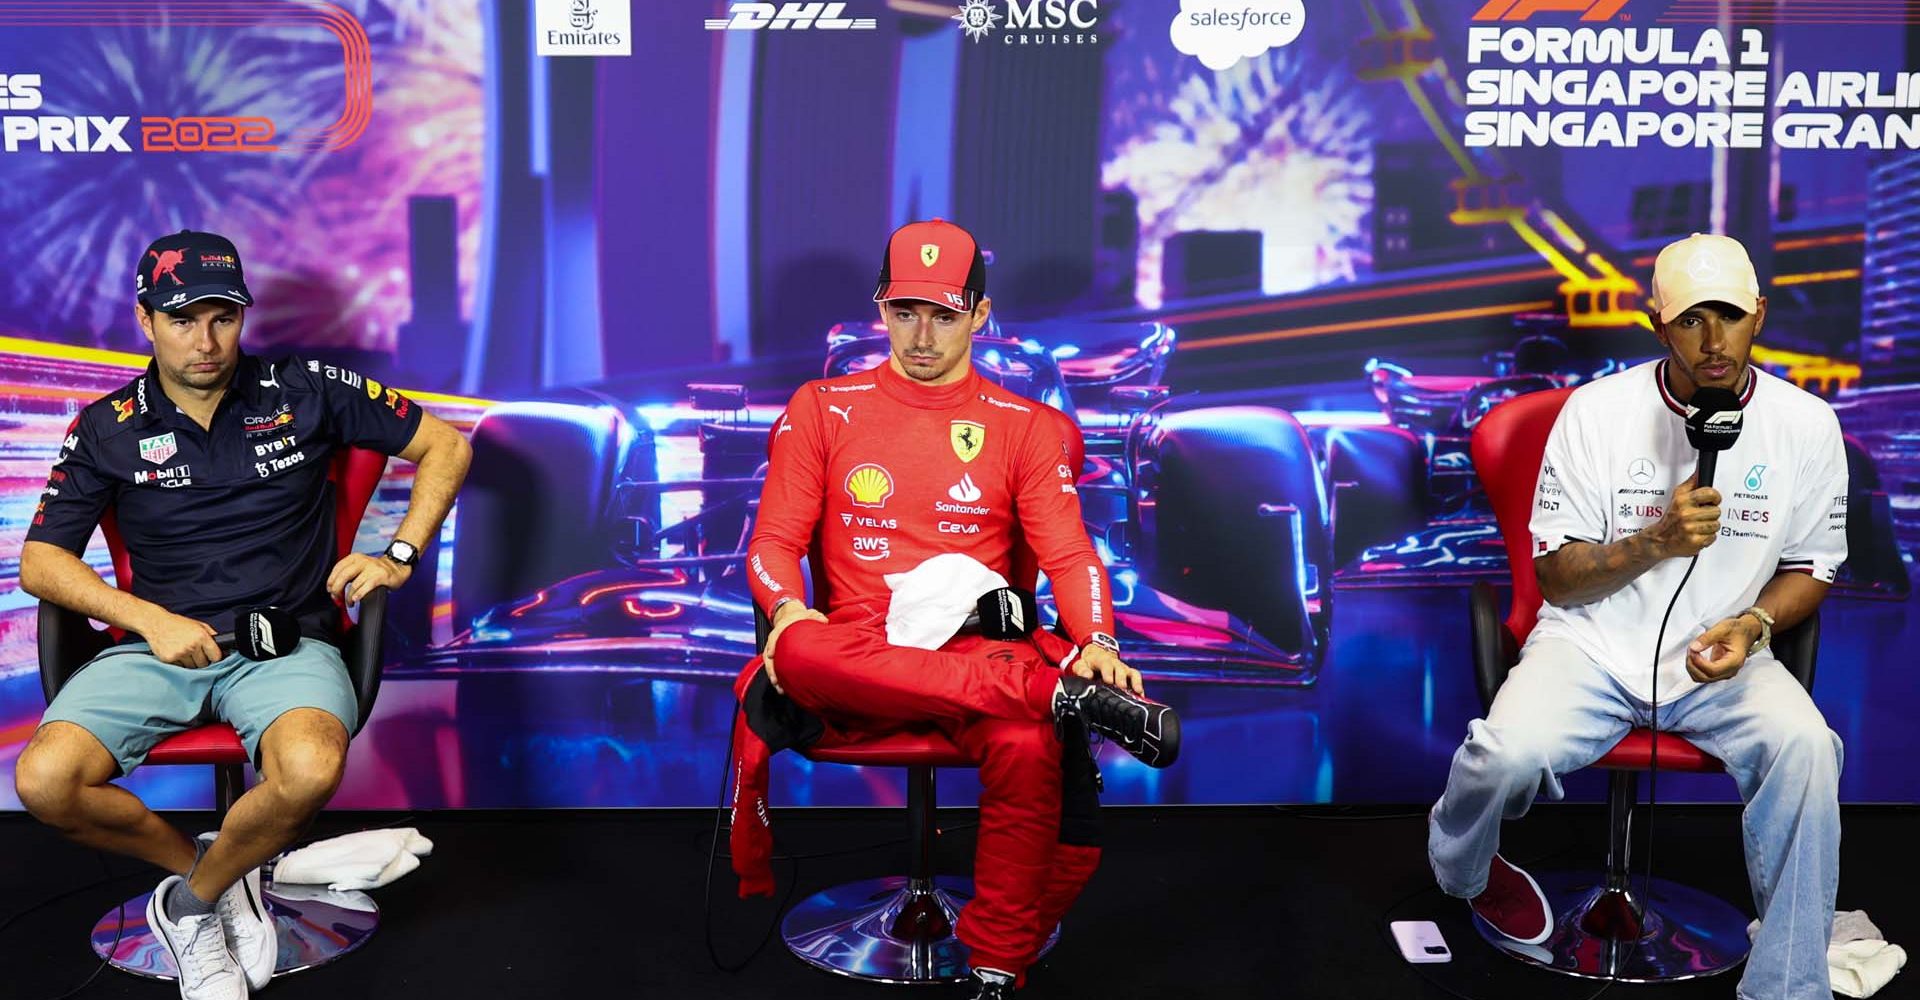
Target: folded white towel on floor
(1859, 959)
(365, 860)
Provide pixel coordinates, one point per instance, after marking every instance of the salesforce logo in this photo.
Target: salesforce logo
(1223, 32)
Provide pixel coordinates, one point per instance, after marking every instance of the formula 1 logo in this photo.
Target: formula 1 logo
(1521, 10)
(790, 17)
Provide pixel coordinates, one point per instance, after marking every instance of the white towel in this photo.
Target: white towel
(932, 600)
(1859, 959)
(365, 860)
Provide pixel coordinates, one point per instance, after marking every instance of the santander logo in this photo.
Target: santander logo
(964, 490)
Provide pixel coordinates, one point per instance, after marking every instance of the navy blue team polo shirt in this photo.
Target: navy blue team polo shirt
(241, 513)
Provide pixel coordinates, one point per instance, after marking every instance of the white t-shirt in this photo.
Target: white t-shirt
(1615, 454)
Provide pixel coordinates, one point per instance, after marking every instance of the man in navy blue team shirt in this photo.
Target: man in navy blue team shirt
(214, 464)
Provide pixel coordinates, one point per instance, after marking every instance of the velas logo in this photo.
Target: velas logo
(1521, 10)
(1223, 32)
(790, 17)
(1032, 22)
(105, 130)
(583, 27)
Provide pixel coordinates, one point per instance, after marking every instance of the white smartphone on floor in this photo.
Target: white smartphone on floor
(1420, 941)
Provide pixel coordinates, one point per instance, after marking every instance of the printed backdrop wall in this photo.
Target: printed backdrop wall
(1362, 224)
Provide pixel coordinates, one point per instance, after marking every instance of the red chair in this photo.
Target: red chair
(1604, 927)
(316, 925)
(896, 929)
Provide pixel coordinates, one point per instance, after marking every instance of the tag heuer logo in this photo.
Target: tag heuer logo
(929, 253)
(158, 449)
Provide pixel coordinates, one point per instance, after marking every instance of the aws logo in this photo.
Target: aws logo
(1522, 10)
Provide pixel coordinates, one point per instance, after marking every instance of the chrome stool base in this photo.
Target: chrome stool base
(316, 924)
(885, 930)
(1678, 932)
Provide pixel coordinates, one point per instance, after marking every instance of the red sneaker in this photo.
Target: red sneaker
(1513, 903)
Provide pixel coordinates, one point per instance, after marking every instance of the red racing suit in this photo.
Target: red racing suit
(871, 474)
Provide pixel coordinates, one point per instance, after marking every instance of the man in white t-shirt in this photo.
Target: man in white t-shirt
(1612, 538)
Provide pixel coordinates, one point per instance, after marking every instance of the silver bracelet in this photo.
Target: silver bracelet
(1766, 626)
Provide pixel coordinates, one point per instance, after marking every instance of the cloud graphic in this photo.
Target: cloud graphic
(1223, 32)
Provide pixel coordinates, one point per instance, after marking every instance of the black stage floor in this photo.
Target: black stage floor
(1195, 902)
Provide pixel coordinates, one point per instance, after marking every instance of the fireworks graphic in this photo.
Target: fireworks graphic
(1279, 143)
(324, 233)
(81, 222)
(339, 264)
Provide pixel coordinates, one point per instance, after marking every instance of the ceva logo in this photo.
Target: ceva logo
(1521, 10)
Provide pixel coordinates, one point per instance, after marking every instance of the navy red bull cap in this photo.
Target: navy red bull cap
(934, 261)
(188, 266)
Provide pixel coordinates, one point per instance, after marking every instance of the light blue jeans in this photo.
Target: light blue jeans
(1559, 711)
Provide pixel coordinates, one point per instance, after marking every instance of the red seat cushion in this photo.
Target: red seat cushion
(899, 749)
(215, 744)
(1635, 753)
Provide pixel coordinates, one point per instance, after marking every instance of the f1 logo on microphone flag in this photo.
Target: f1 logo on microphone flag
(1223, 32)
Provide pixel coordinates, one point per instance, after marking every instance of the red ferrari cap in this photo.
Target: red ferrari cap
(933, 261)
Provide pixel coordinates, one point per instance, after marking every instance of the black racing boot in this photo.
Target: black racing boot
(991, 984)
(1146, 729)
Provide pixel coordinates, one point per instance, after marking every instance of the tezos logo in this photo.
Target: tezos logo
(1223, 32)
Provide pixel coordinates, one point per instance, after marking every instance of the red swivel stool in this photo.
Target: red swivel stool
(316, 925)
(1606, 925)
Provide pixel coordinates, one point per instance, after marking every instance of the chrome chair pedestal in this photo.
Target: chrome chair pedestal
(895, 929)
(316, 926)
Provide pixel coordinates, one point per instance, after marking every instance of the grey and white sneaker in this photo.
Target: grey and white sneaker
(199, 950)
(248, 926)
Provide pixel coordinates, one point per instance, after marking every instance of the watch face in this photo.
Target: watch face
(403, 553)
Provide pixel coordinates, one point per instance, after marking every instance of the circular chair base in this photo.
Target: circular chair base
(316, 924)
(1684, 933)
(885, 930)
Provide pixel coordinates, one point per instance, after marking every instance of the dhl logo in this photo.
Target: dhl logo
(1521, 10)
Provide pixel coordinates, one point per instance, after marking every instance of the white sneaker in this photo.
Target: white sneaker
(199, 950)
(248, 926)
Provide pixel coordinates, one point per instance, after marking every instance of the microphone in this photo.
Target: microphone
(261, 632)
(1714, 419)
(1007, 613)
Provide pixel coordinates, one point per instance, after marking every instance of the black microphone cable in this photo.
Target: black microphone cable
(1653, 761)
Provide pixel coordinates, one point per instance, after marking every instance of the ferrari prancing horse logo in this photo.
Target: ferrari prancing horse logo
(929, 252)
(967, 436)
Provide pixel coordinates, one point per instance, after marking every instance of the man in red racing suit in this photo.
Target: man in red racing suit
(874, 473)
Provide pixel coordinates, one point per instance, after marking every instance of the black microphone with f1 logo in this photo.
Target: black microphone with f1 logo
(263, 632)
(1714, 419)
